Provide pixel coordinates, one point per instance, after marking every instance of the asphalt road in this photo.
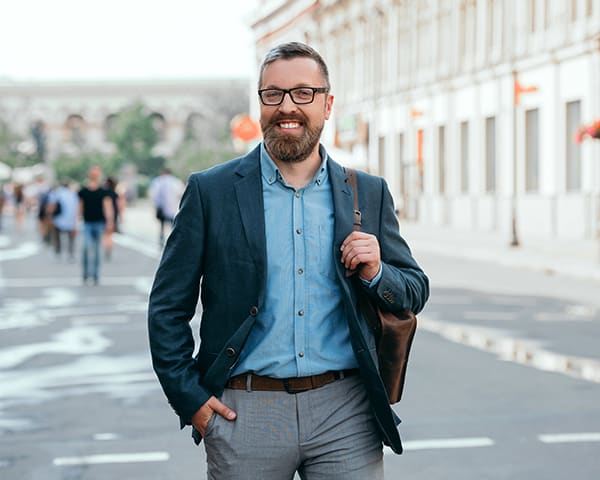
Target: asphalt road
(78, 398)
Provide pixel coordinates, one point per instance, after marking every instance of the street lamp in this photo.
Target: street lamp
(518, 90)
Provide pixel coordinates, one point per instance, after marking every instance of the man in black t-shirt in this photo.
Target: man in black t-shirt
(95, 206)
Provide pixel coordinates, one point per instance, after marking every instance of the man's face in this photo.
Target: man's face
(291, 132)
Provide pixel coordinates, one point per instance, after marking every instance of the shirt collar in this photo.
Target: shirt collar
(271, 173)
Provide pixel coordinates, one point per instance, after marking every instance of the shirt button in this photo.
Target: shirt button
(301, 312)
(254, 311)
(297, 194)
(230, 352)
(298, 231)
(300, 271)
(301, 354)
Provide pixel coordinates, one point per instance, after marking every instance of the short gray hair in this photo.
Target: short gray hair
(287, 51)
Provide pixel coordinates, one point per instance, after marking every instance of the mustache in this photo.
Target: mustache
(286, 118)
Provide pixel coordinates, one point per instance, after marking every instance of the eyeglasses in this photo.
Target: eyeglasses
(299, 95)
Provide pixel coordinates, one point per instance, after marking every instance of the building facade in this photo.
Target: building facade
(467, 107)
(75, 117)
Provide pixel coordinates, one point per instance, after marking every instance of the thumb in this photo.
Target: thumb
(222, 409)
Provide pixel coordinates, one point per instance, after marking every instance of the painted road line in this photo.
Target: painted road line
(141, 246)
(444, 443)
(112, 458)
(570, 437)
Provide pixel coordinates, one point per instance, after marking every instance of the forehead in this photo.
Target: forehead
(289, 73)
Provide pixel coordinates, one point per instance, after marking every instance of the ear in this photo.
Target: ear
(328, 106)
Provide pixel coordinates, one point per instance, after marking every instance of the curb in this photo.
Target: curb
(524, 352)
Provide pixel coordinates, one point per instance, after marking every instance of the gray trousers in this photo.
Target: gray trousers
(327, 433)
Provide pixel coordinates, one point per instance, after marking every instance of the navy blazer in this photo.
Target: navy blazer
(217, 249)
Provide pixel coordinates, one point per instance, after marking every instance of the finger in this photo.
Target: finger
(221, 408)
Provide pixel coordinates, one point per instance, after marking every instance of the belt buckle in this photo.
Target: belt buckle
(291, 391)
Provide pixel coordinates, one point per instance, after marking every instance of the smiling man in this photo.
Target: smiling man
(285, 379)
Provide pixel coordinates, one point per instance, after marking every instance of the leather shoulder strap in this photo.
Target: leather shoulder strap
(353, 181)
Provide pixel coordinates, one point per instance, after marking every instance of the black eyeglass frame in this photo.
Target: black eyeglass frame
(289, 91)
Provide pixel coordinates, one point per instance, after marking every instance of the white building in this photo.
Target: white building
(424, 95)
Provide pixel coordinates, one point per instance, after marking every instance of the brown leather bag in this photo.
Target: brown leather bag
(394, 332)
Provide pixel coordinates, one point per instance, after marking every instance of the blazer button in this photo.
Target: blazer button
(254, 311)
(230, 352)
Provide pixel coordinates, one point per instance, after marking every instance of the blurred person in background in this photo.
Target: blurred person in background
(19, 205)
(110, 185)
(2, 198)
(61, 212)
(286, 378)
(96, 209)
(36, 194)
(165, 191)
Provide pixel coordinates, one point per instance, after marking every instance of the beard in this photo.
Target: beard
(290, 148)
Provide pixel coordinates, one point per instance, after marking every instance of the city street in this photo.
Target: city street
(504, 379)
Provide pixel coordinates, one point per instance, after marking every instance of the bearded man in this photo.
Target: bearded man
(285, 378)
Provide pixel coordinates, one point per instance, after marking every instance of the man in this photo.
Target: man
(95, 206)
(165, 191)
(285, 379)
(61, 212)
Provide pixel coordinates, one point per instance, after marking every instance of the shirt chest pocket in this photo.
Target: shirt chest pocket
(319, 251)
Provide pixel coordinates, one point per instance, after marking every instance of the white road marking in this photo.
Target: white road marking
(444, 443)
(142, 246)
(103, 437)
(24, 250)
(570, 437)
(112, 458)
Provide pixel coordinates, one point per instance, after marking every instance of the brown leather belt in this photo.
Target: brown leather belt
(250, 381)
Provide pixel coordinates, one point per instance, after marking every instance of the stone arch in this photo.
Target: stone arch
(160, 125)
(74, 129)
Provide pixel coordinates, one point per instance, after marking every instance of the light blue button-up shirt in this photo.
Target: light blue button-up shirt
(302, 328)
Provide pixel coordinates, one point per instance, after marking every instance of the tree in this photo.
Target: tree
(134, 135)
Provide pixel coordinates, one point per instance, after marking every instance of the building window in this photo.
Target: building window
(381, 155)
(75, 126)
(402, 207)
(532, 15)
(441, 159)
(573, 150)
(531, 150)
(490, 154)
(573, 9)
(464, 157)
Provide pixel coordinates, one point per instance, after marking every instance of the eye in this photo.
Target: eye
(272, 94)
(303, 93)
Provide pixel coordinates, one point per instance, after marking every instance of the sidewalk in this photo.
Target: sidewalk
(577, 258)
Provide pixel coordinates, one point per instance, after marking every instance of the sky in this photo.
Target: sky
(48, 40)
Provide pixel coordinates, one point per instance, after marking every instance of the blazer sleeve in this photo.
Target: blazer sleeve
(403, 284)
(172, 305)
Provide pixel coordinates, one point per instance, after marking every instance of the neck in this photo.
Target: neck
(299, 174)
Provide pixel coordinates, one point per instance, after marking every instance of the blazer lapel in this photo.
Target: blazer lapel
(249, 196)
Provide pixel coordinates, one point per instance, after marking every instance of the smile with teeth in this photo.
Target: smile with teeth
(289, 125)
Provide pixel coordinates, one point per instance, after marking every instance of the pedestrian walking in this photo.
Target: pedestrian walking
(165, 191)
(285, 379)
(2, 201)
(110, 185)
(61, 211)
(37, 196)
(95, 206)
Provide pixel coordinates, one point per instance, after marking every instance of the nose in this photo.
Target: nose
(287, 105)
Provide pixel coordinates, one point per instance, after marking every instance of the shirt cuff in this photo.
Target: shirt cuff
(374, 280)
